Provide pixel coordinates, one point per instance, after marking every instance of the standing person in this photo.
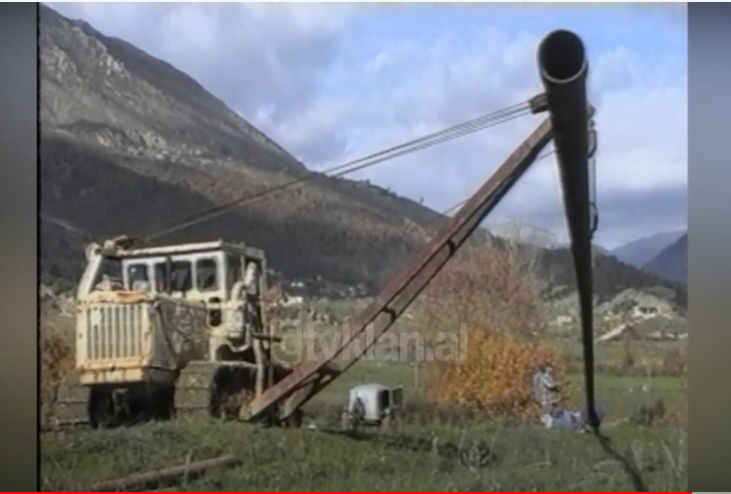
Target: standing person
(548, 397)
(547, 394)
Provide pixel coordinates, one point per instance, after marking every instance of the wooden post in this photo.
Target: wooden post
(152, 479)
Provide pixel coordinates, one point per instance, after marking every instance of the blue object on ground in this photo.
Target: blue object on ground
(568, 419)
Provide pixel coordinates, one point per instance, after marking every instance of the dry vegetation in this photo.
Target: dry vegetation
(492, 296)
(495, 375)
(56, 364)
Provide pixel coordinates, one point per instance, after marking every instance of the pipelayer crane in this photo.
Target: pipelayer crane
(158, 325)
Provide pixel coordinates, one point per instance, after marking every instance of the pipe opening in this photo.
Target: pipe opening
(562, 56)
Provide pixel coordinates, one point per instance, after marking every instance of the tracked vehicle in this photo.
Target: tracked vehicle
(167, 329)
(183, 327)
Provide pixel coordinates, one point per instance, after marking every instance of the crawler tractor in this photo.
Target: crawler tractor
(168, 329)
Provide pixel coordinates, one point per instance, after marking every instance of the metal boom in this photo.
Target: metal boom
(563, 71)
(350, 344)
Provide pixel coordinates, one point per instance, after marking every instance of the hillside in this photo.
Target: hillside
(611, 276)
(672, 262)
(641, 251)
(130, 144)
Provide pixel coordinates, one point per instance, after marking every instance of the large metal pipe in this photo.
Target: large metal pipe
(563, 70)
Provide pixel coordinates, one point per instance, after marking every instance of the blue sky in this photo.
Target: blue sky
(333, 82)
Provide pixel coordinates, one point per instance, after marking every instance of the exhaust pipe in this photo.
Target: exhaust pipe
(563, 69)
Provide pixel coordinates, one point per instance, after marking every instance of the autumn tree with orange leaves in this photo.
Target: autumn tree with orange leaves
(491, 295)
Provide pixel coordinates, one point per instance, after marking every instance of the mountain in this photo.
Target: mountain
(672, 262)
(129, 144)
(641, 251)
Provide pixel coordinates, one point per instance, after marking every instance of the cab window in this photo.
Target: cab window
(234, 270)
(137, 273)
(206, 275)
(180, 279)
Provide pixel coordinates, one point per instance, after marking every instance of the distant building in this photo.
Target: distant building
(645, 311)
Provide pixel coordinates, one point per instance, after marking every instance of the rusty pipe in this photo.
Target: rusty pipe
(563, 69)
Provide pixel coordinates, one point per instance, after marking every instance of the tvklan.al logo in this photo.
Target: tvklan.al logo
(303, 343)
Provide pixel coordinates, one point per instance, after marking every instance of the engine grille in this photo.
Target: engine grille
(115, 331)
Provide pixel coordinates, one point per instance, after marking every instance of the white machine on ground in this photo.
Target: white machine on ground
(371, 405)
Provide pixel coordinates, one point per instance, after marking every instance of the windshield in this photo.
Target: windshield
(137, 274)
(206, 273)
(179, 280)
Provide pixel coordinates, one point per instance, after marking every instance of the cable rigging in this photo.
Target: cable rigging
(469, 127)
(454, 132)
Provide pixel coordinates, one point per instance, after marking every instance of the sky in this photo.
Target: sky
(334, 82)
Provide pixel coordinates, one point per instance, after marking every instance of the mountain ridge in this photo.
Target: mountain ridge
(672, 262)
(129, 143)
(97, 109)
(640, 251)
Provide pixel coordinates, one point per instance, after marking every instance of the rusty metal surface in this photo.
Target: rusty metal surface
(112, 337)
(307, 378)
(184, 336)
(122, 336)
(117, 297)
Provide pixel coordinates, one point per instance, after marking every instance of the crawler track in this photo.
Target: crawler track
(203, 389)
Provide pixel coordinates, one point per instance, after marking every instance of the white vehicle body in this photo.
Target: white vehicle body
(371, 403)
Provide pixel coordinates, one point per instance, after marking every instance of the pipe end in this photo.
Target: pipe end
(562, 56)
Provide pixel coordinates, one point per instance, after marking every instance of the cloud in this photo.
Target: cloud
(332, 83)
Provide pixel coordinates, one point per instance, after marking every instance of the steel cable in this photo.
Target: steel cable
(454, 132)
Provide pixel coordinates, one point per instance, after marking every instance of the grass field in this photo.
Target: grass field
(493, 292)
(421, 454)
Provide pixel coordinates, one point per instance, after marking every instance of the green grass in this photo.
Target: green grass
(612, 352)
(618, 394)
(521, 457)
(528, 458)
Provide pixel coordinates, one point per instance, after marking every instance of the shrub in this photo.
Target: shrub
(495, 375)
(56, 364)
(492, 295)
(674, 362)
